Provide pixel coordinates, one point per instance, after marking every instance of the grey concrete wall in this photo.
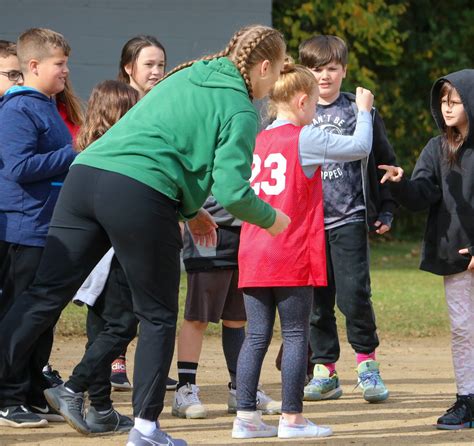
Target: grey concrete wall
(97, 29)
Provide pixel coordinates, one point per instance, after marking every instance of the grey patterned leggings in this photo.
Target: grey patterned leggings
(294, 307)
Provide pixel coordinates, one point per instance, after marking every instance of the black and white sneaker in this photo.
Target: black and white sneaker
(171, 383)
(46, 412)
(20, 416)
(53, 376)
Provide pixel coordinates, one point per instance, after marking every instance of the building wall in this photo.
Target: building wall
(97, 29)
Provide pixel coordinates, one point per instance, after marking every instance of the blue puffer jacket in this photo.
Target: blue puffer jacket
(35, 154)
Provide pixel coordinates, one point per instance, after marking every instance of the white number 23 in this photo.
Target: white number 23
(277, 163)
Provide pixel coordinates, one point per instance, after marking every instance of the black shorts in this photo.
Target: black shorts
(213, 295)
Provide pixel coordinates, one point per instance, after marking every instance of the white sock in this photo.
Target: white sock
(250, 416)
(146, 427)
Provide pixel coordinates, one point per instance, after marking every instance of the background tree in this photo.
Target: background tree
(396, 49)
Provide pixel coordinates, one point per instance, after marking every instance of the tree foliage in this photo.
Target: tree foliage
(396, 48)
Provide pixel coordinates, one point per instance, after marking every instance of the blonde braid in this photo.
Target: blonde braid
(244, 53)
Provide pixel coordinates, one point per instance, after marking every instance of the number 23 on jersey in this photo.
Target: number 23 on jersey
(276, 164)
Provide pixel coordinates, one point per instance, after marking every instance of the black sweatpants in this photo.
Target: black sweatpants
(111, 326)
(27, 384)
(97, 209)
(349, 285)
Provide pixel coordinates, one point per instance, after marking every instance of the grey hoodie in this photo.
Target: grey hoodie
(447, 191)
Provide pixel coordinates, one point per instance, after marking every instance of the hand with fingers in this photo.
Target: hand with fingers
(281, 223)
(364, 99)
(393, 174)
(203, 229)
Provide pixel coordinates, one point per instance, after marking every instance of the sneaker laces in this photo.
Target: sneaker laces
(460, 403)
(190, 394)
(75, 403)
(367, 379)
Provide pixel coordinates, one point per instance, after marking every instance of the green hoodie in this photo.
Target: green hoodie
(192, 135)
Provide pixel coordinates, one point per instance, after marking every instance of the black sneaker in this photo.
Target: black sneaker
(46, 412)
(118, 375)
(171, 383)
(53, 376)
(460, 415)
(70, 405)
(111, 421)
(20, 416)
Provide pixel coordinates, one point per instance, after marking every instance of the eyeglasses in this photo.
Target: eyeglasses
(13, 75)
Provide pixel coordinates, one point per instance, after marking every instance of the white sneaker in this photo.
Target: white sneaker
(288, 430)
(255, 428)
(186, 403)
(265, 404)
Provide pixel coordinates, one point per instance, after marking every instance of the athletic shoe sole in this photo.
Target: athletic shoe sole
(253, 434)
(377, 398)
(233, 410)
(316, 396)
(9, 423)
(122, 387)
(192, 416)
(454, 427)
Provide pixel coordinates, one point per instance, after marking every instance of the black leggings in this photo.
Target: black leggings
(294, 306)
(97, 209)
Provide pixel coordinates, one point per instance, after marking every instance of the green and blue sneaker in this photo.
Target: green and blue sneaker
(323, 386)
(370, 381)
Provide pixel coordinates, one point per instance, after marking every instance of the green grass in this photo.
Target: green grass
(408, 302)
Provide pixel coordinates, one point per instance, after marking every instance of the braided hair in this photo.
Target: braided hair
(247, 47)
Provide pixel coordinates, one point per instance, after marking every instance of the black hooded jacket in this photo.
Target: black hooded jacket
(448, 191)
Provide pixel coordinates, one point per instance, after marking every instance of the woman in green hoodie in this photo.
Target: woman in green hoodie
(191, 136)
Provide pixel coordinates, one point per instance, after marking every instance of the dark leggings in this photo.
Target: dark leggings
(97, 209)
(294, 306)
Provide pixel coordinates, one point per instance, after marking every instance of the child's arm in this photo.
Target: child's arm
(422, 190)
(18, 147)
(231, 173)
(317, 146)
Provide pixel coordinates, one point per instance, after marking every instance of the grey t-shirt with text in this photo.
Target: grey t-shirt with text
(342, 182)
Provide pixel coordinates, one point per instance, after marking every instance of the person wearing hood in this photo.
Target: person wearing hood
(443, 183)
(193, 133)
(35, 154)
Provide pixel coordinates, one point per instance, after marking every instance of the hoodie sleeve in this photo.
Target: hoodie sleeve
(423, 189)
(232, 170)
(22, 162)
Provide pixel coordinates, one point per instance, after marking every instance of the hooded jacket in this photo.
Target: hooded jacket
(447, 191)
(35, 155)
(193, 134)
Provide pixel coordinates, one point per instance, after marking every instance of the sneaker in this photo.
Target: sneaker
(111, 421)
(118, 375)
(20, 416)
(136, 438)
(460, 415)
(186, 403)
(265, 404)
(171, 383)
(253, 429)
(370, 381)
(70, 405)
(309, 429)
(322, 386)
(53, 376)
(46, 412)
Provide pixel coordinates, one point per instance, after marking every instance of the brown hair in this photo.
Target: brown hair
(452, 138)
(293, 79)
(321, 50)
(37, 43)
(7, 49)
(131, 51)
(72, 103)
(246, 48)
(108, 102)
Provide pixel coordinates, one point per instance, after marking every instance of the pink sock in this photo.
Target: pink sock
(331, 367)
(361, 357)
